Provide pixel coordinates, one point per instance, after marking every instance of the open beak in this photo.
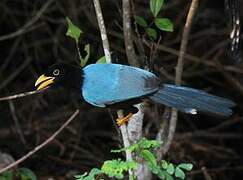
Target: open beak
(44, 82)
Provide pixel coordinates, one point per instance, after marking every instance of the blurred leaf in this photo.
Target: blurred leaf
(115, 168)
(179, 173)
(170, 169)
(140, 145)
(84, 60)
(151, 33)
(141, 21)
(72, 31)
(7, 175)
(161, 175)
(90, 176)
(168, 177)
(186, 166)
(164, 24)
(164, 164)
(26, 174)
(155, 6)
(102, 60)
(149, 157)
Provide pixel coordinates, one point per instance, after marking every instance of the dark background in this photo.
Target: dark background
(205, 141)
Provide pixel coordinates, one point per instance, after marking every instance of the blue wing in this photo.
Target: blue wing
(106, 84)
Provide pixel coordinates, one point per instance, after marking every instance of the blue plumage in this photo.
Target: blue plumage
(107, 84)
(120, 87)
(190, 100)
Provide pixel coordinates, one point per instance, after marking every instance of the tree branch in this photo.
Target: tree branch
(179, 70)
(134, 127)
(103, 33)
(37, 148)
(15, 96)
(25, 28)
(106, 48)
(127, 32)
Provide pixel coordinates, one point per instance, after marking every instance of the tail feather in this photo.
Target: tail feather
(191, 100)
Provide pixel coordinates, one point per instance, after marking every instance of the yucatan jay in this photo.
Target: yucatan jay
(120, 87)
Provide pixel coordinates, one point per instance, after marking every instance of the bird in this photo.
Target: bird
(118, 86)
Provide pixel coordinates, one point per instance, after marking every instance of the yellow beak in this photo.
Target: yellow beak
(43, 82)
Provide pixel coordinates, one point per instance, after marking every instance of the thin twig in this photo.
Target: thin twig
(16, 121)
(125, 137)
(11, 77)
(233, 81)
(25, 27)
(127, 32)
(183, 48)
(37, 148)
(179, 71)
(192, 58)
(15, 96)
(104, 37)
(78, 49)
(206, 174)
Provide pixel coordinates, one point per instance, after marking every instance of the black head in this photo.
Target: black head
(61, 74)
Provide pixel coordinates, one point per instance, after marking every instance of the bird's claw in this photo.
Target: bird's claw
(121, 121)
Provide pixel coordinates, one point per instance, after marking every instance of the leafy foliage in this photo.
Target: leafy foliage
(112, 168)
(115, 168)
(140, 145)
(155, 6)
(141, 21)
(101, 60)
(21, 174)
(89, 176)
(152, 33)
(26, 174)
(143, 148)
(84, 60)
(163, 24)
(7, 175)
(73, 31)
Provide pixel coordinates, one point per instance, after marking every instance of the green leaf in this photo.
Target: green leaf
(141, 21)
(152, 33)
(72, 31)
(26, 174)
(85, 59)
(179, 173)
(164, 24)
(115, 168)
(170, 169)
(168, 177)
(148, 157)
(90, 176)
(161, 175)
(7, 175)
(140, 145)
(164, 164)
(148, 144)
(101, 60)
(155, 6)
(186, 166)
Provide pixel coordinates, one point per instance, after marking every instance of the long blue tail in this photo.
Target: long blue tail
(191, 100)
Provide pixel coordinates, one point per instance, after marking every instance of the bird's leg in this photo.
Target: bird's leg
(129, 110)
(121, 121)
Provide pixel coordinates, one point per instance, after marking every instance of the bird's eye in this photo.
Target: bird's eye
(56, 72)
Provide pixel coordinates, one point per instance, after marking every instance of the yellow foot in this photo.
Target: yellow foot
(121, 121)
